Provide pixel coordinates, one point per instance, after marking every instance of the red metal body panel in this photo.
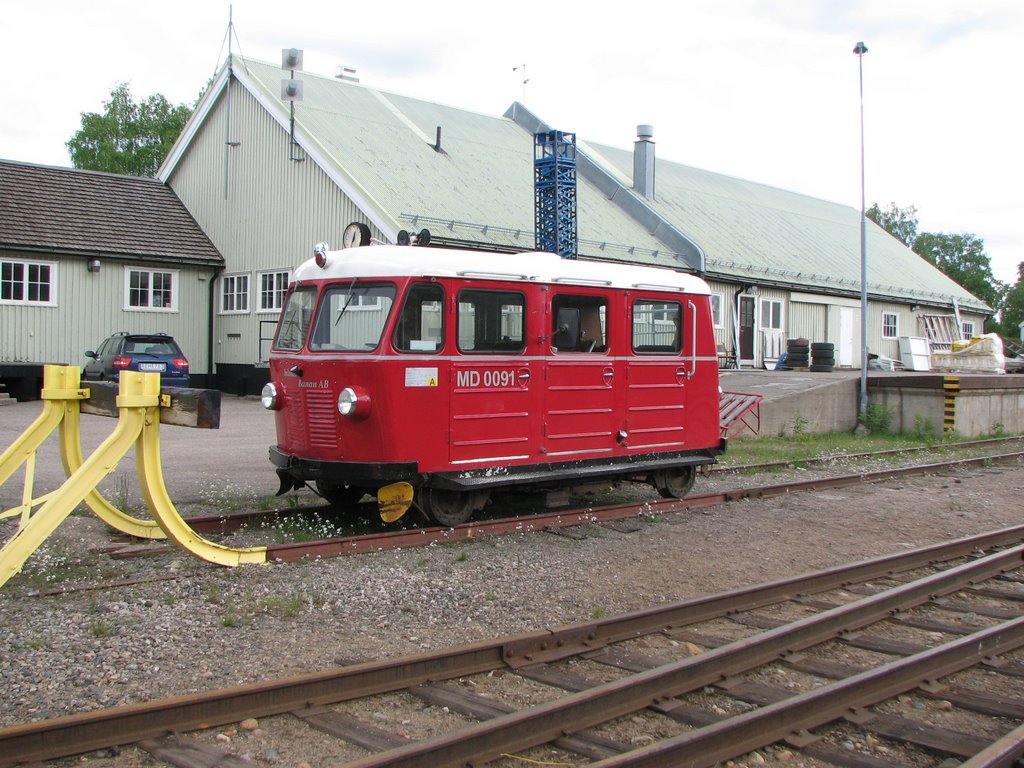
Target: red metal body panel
(443, 409)
(492, 400)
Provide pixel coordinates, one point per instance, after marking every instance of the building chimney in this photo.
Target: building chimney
(643, 161)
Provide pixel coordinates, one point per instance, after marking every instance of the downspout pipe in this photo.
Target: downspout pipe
(211, 377)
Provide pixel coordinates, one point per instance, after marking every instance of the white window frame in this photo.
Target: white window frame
(235, 287)
(775, 314)
(275, 293)
(357, 305)
(25, 282)
(964, 326)
(171, 274)
(894, 325)
(717, 302)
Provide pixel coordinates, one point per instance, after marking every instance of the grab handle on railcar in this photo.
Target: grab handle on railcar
(693, 332)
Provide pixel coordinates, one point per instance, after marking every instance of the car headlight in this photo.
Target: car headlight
(269, 397)
(353, 403)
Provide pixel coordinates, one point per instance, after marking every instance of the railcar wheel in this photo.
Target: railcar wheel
(675, 483)
(451, 508)
(340, 496)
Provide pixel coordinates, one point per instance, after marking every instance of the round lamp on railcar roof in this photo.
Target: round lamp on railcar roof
(320, 254)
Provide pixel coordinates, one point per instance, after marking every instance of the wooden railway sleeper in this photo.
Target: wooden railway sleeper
(546, 722)
(94, 730)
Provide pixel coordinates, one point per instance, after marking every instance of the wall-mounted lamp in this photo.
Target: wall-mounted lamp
(93, 265)
(752, 290)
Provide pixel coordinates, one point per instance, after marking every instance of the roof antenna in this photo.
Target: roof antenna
(525, 80)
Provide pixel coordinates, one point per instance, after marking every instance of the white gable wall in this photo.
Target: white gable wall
(266, 216)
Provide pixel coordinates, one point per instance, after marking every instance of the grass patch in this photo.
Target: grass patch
(288, 608)
(99, 628)
(762, 450)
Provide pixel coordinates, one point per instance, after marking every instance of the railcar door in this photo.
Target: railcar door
(580, 413)
(492, 380)
(657, 373)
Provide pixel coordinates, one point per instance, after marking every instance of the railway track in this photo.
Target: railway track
(559, 519)
(907, 659)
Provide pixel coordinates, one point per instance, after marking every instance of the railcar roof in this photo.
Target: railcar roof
(536, 267)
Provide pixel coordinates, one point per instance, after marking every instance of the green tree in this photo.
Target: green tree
(901, 223)
(963, 259)
(128, 138)
(1013, 306)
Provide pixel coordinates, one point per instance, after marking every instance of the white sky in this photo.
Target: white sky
(760, 89)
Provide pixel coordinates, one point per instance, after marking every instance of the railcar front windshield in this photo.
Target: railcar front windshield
(351, 317)
(295, 319)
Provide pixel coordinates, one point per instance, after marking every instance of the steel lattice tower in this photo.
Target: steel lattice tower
(554, 185)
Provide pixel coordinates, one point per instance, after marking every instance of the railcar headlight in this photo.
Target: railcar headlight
(353, 403)
(269, 397)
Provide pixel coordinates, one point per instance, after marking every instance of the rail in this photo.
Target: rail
(652, 683)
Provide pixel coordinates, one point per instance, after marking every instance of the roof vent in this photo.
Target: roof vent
(643, 161)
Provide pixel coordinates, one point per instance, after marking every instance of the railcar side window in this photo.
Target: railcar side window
(421, 325)
(580, 323)
(295, 319)
(339, 329)
(491, 321)
(657, 327)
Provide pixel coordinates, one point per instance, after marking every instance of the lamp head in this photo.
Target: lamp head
(860, 49)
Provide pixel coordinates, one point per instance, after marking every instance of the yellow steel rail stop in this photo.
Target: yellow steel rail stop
(61, 398)
(138, 403)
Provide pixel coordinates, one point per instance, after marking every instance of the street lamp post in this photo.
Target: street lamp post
(860, 50)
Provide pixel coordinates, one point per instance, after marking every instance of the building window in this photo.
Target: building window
(771, 314)
(149, 289)
(890, 325)
(716, 310)
(364, 301)
(234, 294)
(273, 286)
(28, 282)
(967, 327)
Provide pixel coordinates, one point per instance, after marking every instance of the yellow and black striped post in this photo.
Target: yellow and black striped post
(950, 388)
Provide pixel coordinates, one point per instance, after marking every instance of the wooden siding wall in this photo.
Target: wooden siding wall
(723, 335)
(816, 318)
(89, 307)
(809, 321)
(266, 216)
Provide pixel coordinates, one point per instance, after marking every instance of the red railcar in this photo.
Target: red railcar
(437, 376)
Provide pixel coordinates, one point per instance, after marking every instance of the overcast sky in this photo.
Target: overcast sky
(765, 90)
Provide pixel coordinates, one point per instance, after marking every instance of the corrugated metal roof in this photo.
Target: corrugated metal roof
(383, 145)
(61, 210)
(751, 230)
(380, 146)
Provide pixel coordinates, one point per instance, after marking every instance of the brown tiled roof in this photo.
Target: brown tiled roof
(67, 211)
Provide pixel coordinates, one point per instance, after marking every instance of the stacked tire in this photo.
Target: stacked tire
(823, 357)
(797, 353)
